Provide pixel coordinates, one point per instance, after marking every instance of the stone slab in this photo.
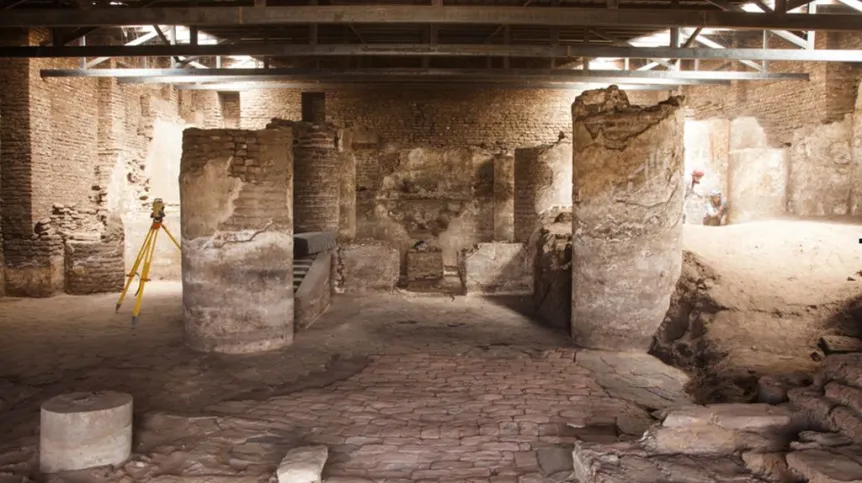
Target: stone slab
(303, 465)
(368, 266)
(497, 268)
(769, 466)
(709, 440)
(628, 462)
(814, 406)
(839, 344)
(826, 440)
(821, 466)
(747, 417)
(305, 244)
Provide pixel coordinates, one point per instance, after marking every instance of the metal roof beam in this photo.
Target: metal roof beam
(496, 15)
(158, 76)
(244, 86)
(439, 50)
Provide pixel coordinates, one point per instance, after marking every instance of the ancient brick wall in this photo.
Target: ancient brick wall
(80, 153)
(425, 159)
(783, 107)
(443, 118)
(809, 122)
(48, 156)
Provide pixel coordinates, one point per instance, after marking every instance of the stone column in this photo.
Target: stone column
(313, 107)
(543, 186)
(316, 161)
(237, 239)
(627, 211)
(504, 197)
(347, 195)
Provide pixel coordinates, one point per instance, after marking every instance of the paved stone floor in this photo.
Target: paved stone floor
(399, 387)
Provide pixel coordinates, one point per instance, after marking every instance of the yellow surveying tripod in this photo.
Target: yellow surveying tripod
(145, 255)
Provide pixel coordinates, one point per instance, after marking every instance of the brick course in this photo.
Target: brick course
(784, 107)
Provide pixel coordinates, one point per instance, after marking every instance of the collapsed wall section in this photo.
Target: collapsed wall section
(543, 186)
(627, 210)
(237, 239)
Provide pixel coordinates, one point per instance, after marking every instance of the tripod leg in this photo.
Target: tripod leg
(145, 273)
(141, 253)
(171, 236)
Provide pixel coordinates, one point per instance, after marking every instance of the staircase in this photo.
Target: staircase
(301, 266)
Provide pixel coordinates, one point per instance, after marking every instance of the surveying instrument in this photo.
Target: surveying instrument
(145, 255)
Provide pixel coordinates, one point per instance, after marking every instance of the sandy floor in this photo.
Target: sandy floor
(784, 262)
(784, 283)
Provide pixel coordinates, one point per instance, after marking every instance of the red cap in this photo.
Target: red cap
(697, 173)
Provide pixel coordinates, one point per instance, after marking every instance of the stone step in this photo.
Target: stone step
(844, 368)
(839, 344)
(630, 462)
(827, 465)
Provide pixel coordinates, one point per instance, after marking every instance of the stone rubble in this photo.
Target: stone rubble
(722, 429)
(629, 462)
(303, 465)
(815, 438)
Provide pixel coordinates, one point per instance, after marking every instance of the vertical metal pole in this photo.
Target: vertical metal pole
(83, 43)
(172, 40)
(812, 9)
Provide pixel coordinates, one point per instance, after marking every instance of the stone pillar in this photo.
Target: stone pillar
(504, 197)
(347, 196)
(543, 186)
(316, 185)
(627, 218)
(313, 107)
(237, 239)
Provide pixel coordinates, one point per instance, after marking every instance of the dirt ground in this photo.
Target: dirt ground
(764, 293)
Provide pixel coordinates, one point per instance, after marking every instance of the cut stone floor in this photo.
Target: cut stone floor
(399, 387)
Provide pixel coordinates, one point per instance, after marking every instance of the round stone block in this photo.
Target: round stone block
(85, 430)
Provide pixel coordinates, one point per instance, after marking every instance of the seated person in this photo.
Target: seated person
(716, 210)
